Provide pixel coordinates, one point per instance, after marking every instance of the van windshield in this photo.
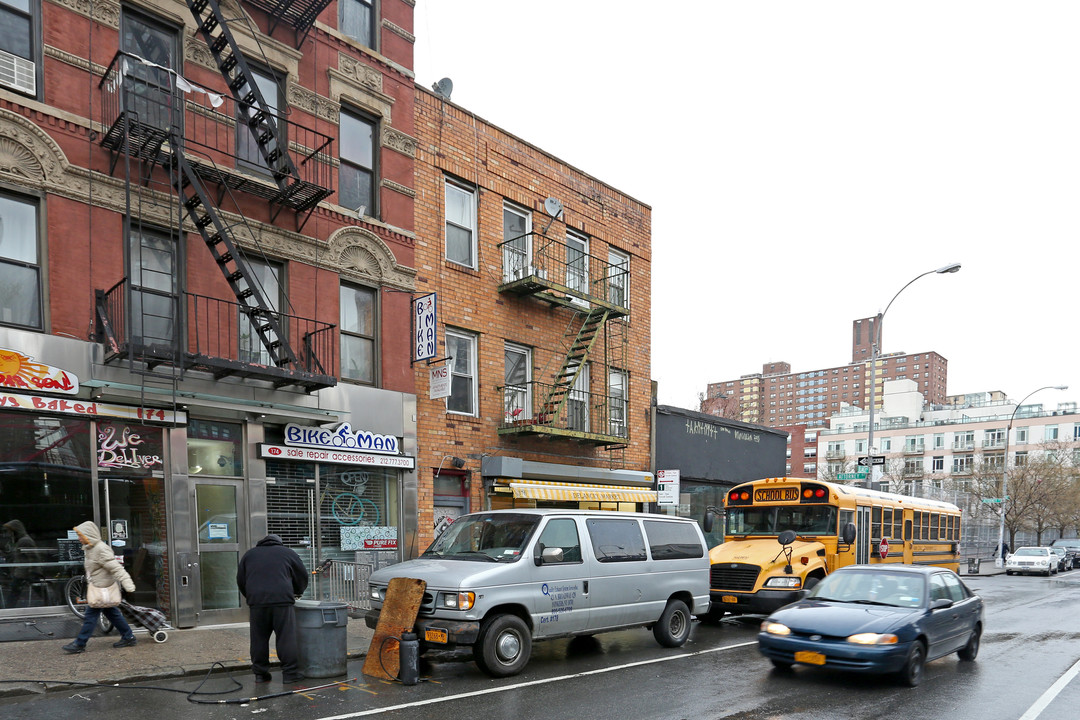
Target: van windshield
(485, 538)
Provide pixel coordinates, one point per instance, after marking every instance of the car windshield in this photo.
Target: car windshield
(872, 588)
(495, 537)
(803, 519)
(1032, 551)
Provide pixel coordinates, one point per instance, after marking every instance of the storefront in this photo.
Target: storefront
(65, 460)
(184, 482)
(516, 483)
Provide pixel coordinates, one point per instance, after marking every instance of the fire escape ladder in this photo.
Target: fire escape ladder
(592, 321)
(251, 105)
(218, 236)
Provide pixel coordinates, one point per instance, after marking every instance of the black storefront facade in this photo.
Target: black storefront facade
(711, 455)
(183, 480)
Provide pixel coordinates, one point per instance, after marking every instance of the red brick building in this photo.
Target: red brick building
(206, 264)
(542, 278)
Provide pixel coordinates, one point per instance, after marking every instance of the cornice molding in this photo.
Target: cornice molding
(397, 140)
(105, 12)
(398, 188)
(399, 31)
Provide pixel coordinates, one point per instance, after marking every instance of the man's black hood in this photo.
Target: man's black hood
(270, 539)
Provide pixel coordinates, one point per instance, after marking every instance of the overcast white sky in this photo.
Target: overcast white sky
(804, 161)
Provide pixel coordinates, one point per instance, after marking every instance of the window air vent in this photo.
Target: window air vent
(17, 73)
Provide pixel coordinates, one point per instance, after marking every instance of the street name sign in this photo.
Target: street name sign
(851, 476)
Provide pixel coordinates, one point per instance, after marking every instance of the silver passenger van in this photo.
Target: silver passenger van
(501, 579)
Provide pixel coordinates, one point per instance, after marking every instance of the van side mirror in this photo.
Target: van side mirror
(848, 536)
(551, 555)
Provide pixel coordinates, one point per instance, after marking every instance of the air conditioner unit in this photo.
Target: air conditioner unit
(17, 73)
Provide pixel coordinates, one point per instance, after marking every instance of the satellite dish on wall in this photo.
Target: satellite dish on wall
(553, 207)
(443, 88)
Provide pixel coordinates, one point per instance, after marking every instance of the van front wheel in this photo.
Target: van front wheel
(673, 627)
(504, 646)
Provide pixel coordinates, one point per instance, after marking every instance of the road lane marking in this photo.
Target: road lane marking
(1052, 692)
(531, 683)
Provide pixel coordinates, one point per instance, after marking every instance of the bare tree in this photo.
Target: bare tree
(725, 406)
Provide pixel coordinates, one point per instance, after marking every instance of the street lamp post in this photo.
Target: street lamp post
(1000, 560)
(876, 341)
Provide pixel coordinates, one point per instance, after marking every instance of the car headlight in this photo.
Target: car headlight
(457, 601)
(790, 582)
(873, 639)
(775, 628)
(376, 593)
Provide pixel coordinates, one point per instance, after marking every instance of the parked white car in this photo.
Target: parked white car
(1041, 560)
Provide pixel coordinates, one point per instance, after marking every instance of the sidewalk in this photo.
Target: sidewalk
(986, 568)
(186, 652)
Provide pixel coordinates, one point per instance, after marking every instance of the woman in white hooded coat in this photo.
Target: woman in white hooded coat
(102, 570)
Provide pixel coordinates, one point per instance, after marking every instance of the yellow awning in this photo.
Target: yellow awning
(581, 493)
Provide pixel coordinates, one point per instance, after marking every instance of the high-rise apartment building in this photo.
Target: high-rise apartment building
(776, 396)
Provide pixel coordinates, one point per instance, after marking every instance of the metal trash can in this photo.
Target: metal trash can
(323, 635)
(973, 566)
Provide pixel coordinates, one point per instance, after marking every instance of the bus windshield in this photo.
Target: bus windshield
(773, 520)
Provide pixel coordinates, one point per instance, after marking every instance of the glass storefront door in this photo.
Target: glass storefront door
(220, 530)
(134, 515)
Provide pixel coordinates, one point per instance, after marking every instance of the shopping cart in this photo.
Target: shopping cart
(150, 618)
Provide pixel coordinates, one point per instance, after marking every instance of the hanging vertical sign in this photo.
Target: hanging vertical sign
(425, 324)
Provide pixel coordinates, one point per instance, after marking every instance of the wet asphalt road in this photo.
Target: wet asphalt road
(1025, 669)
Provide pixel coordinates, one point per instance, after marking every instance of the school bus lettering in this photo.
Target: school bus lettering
(776, 494)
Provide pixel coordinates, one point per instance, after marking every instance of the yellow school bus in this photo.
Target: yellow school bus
(782, 535)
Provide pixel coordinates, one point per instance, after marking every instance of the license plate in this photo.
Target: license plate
(810, 658)
(436, 636)
(729, 599)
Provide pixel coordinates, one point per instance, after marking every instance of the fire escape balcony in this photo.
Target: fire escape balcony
(195, 332)
(553, 271)
(298, 14)
(590, 418)
(143, 105)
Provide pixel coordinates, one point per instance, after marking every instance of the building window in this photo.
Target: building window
(1021, 436)
(20, 263)
(359, 356)
(962, 464)
(247, 148)
(461, 349)
(357, 142)
(577, 264)
(617, 402)
(517, 243)
(19, 45)
(460, 225)
(1020, 458)
(268, 277)
(619, 278)
(154, 272)
(1050, 433)
(577, 401)
(517, 372)
(357, 20)
(939, 463)
(913, 466)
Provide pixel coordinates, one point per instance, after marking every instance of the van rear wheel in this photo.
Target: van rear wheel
(673, 627)
(504, 646)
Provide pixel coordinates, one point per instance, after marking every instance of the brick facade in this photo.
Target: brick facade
(455, 145)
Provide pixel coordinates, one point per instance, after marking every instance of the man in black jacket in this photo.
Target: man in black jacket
(270, 577)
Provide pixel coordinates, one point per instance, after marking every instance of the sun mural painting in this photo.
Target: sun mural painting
(20, 372)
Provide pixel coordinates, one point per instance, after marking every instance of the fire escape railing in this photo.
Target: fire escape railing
(587, 415)
(219, 338)
(137, 114)
(534, 263)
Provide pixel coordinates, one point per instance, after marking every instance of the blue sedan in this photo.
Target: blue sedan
(877, 619)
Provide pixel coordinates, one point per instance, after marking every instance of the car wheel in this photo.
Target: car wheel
(503, 647)
(1008, 572)
(673, 627)
(969, 651)
(912, 673)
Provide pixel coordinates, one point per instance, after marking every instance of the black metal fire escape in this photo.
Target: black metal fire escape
(159, 136)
